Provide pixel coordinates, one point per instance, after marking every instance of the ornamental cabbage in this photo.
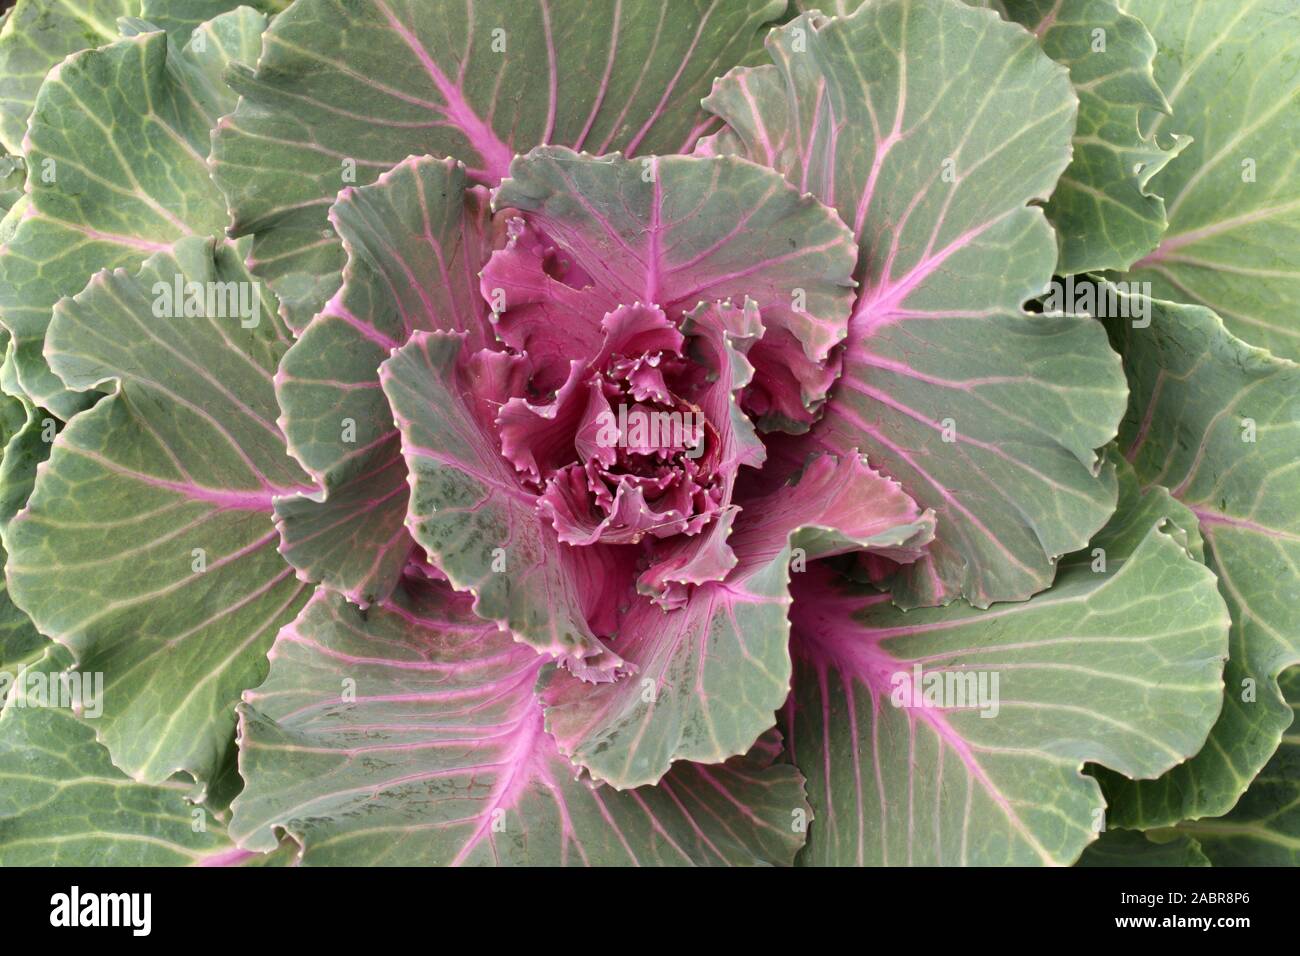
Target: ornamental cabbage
(648, 433)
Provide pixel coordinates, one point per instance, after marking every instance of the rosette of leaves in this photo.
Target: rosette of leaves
(558, 433)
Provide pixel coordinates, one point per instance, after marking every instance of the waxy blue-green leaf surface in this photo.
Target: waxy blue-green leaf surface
(117, 171)
(344, 91)
(36, 35)
(933, 128)
(411, 735)
(1104, 212)
(63, 803)
(1231, 72)
(1217, 422)
(1263, 829)
(416, 240)
(1119, 664)
(1137, 849)
(148, 547)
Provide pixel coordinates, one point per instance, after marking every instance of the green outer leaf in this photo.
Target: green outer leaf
(1231, 71)
(866, 116)
(62, 802)
(9, 223)
(181, 17)
(1104, 216)
(439, 757)
(24, 439)
(416, 240)
(375, 82)
(126, 129)
(13, 177)
(1193, 383)
(20, 643)
(36, 35)
(1101, 209)
(1131, 848)
(183, 456)
(1139, 508)
(13, 410)
(1263, 829)
(24, 450)
(1120, 667)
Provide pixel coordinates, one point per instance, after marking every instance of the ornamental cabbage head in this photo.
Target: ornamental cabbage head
(447, 433)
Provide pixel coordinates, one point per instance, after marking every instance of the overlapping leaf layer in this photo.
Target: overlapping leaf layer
(710, 433)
